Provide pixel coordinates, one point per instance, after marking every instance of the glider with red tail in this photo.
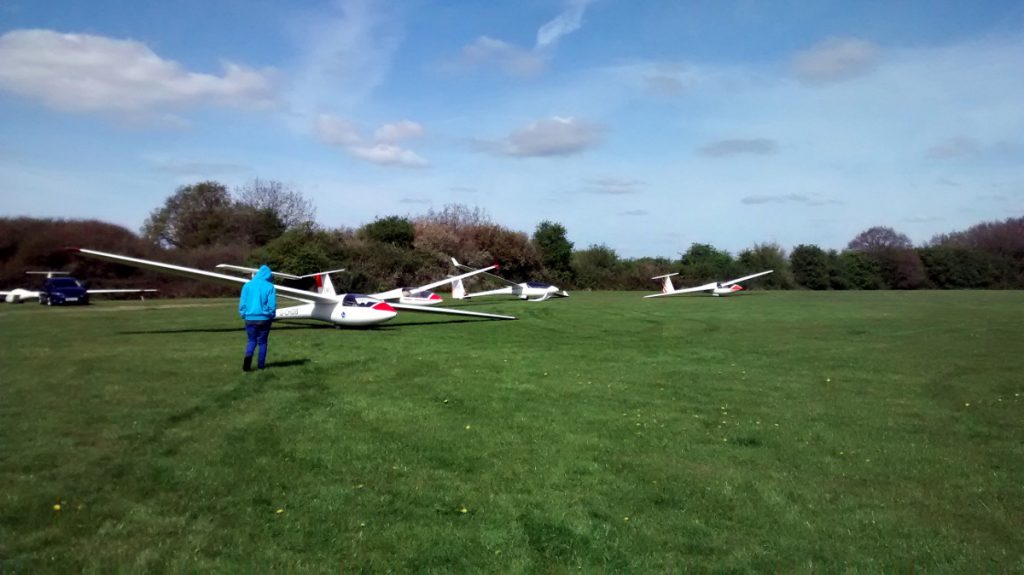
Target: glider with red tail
(716, 288)
(347, 309)
(412, 295)
(538, 291)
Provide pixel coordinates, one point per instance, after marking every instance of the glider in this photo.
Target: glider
(415, 295)
(60, 289)
(348, 309)
(539, 291)
(716, 288)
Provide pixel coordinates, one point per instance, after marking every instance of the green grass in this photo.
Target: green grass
(824, 432)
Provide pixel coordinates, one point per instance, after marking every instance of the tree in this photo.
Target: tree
(703, 262)
(511, 249)
(288, 206)
(554, 249)
(302, 250)
(810, 267)
(769, 256)
(903, 269)
(636, 274)
(196, 215)
(452, 232)
(393, 230)
(596, 267)
(256, 227)
(873, 240)
(859, 271)
(898, 263)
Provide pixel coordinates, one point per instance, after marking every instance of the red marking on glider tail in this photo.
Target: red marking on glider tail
(319, 283)
(383, 306)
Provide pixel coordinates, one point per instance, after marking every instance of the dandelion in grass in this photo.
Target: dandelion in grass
(463, 509)
(279, 511)
(56, 506)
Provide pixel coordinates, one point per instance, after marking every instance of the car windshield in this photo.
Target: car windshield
(64, 282)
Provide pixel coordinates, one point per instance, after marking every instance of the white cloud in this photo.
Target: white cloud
(549, 137)
(835, 60)
(87, 73)
(612, 186)
(381, 150)
(345, 52)
(388, 155)
(336, 131)
(813, 200)
(397, 131)
(521, 62)
(565, 23)
(514, 61)
(954, 148)
(721, 148)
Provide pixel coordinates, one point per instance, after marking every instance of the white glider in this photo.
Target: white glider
(350, 310)
(415, 295)
(716, 288)
(539, 291)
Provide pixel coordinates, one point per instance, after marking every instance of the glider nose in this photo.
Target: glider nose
(737, 288)
(383, 306)
(434, 297)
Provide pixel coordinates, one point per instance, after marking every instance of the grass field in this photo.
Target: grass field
(847, 431)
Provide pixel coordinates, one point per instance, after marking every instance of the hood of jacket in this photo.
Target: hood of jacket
(263, 273)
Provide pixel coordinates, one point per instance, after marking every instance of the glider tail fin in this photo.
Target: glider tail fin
(666, 285)
(458, 290)
(324, 285)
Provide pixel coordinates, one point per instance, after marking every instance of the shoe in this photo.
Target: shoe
(247, 363)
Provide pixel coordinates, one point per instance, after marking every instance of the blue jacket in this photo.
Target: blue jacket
(259, 298)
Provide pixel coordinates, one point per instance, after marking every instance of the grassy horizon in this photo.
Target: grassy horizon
(795, 431)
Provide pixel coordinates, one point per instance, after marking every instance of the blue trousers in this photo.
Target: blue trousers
(258, 332)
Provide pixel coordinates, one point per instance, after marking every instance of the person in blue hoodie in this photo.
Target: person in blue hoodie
(257, 307)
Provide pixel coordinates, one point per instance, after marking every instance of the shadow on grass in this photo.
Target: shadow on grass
(285, 326)
(288, 363)
(278, 326)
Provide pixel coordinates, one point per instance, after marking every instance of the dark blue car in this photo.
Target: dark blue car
(63, 291)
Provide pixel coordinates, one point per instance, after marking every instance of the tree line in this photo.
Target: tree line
(204, 224)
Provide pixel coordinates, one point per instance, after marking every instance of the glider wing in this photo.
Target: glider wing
(200, 274)
(449, 311)
(485, 272)
(744, 278)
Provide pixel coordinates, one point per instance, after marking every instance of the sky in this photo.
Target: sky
(642, 126)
